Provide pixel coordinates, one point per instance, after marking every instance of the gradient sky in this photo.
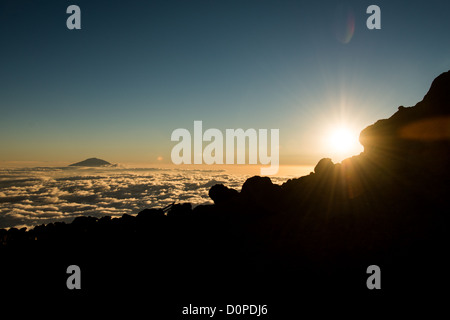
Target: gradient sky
(137, 70)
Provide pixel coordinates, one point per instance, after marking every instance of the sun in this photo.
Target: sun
(343, 142)
(341, 139)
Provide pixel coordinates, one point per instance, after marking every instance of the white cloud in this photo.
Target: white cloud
(34, 196)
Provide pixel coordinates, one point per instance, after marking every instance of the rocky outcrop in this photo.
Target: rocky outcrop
(415, 137)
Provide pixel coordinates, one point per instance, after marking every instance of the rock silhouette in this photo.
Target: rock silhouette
(417, 138)
(221, 194)
(314, 235)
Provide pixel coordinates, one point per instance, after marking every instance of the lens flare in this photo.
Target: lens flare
(344, 24)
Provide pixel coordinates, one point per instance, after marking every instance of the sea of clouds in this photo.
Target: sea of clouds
(34, 196)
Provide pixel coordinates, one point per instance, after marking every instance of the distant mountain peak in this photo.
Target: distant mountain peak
(91, 162)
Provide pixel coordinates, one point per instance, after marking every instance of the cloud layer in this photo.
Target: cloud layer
(34, 196)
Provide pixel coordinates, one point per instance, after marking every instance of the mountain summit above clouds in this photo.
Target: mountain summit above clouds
(91, 162)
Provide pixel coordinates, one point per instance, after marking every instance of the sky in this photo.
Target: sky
(137, 70)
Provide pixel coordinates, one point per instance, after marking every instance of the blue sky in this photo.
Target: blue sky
(137, 70)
